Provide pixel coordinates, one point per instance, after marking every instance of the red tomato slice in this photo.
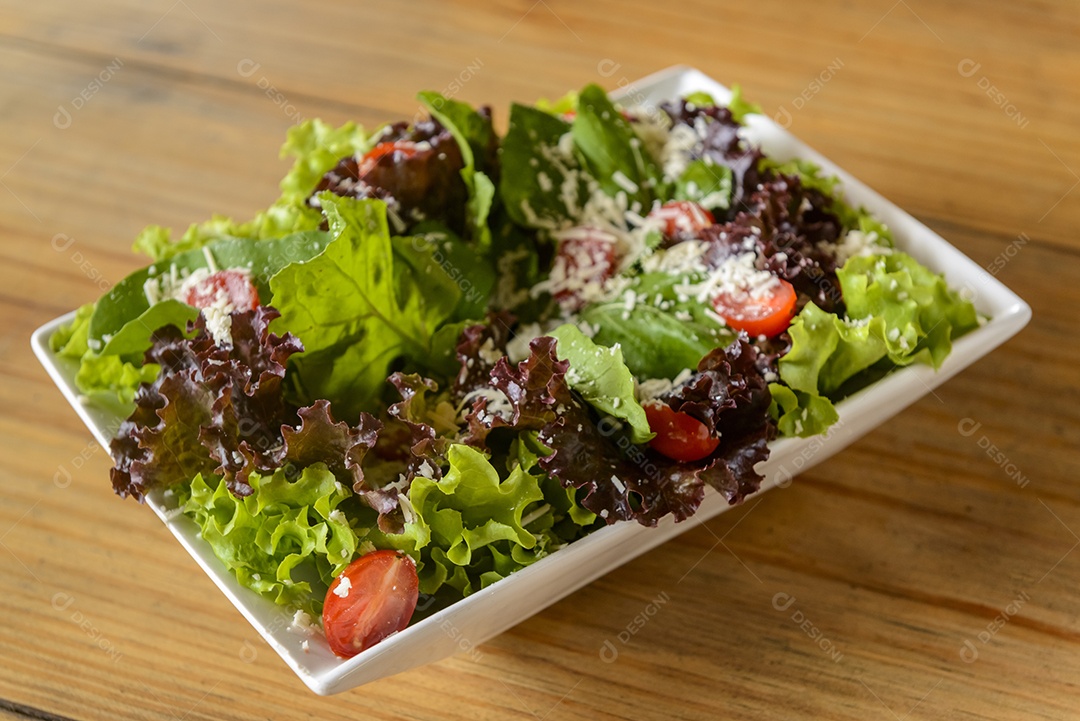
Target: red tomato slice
(683, 218)
(586, 256)
(371, 599)
(679, 436)
(234, 285)
(768, 314)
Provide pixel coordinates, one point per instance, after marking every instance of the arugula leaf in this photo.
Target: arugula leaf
(541, 183)
(435, 252)
(706, 184)
(612, 149)
(654, 343)
(602, 379)
(657, 342)
(357, 307)
(124, 319)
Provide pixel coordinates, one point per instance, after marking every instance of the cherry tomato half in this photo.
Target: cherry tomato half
(371, 599)
(768, 313)
(236, 286)
(679, 436)
(683, 219)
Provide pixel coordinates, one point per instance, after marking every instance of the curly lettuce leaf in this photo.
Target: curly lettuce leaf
(801, 414)
(899, 313)
(108, 381)
(813, 177)
(281, 218)
(357, 308)
(286, 541)
(599, 375)
(317, 147)
(469, 529)
(922, 314)
(612, 476)
(70, 339)
(112, 382)
(727, 392)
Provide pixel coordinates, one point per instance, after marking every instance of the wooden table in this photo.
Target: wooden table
(931, 569)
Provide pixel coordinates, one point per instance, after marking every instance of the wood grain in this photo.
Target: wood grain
(892, 554)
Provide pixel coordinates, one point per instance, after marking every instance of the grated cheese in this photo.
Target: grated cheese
(343, 587)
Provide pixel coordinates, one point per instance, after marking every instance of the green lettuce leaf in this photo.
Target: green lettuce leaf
(827, 350)
(922, 314)
(467, 530)
(801, 414)
(700, 98)
(317, 147)
(569, 519)
(106, 380)
(599, 375)
(110, 381)
(359, 306)
(740, 107)
(285, 541)
(70, 339)
(899, 313)
(566, 104)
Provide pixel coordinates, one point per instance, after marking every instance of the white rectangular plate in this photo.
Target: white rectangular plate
(489, 612)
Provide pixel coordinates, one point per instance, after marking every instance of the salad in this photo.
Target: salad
(443, 354)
